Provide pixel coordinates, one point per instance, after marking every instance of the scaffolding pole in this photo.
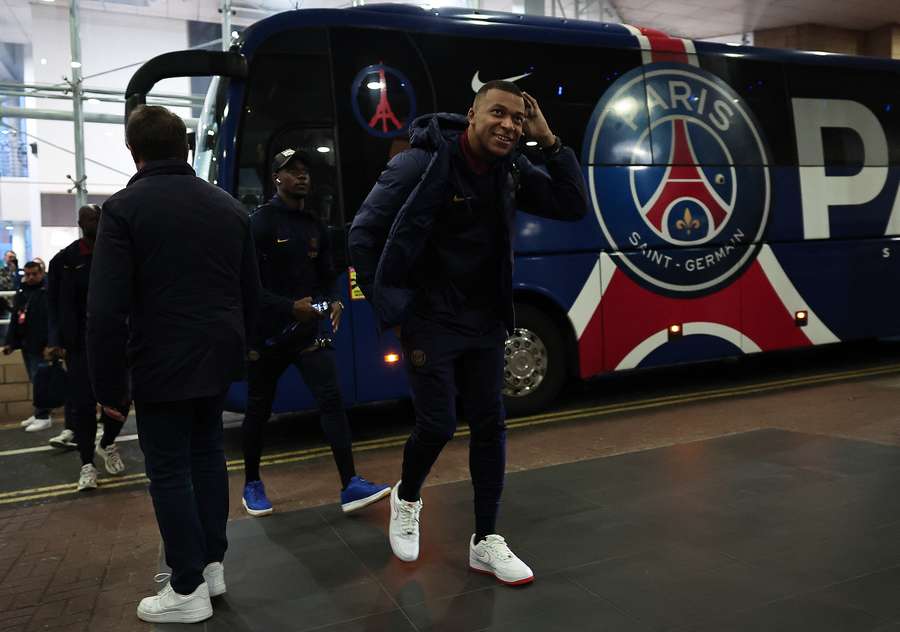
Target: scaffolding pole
(226, 24)
(79, 187)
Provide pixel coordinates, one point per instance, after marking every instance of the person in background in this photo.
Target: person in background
(68, 284)
(28, 332)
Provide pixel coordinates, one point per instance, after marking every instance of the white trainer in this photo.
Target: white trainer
(403, 529)
(214, 576)
(39, 424)
(168, 606)
(27, 422)
(110, 457)
(493, 557)
(65, 440)
(88, 478)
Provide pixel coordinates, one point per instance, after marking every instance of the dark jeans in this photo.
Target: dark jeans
(319, 372)
(32, 360)
(81, 408)
(185, 460)
(441, 364)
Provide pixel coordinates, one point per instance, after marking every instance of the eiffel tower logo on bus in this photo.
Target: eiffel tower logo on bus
(383, 113)
(684, 182)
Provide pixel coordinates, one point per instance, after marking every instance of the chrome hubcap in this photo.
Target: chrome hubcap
(526, 363)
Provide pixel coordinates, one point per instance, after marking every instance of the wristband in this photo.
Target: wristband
(553, 149)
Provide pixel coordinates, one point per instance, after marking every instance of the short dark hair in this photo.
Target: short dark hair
(33, 264)
(498, 84)
(154, 133)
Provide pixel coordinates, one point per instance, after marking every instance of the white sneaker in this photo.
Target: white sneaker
(39, 424)
(27, 422)
(493, 557)
(110, 457)
(65, 440)
(168, 606)
(403, 528)
(88, 477)
(214, 576)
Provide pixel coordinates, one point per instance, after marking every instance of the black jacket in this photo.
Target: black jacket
(29, 306)
(174, 280)
(68, 277)
(295, 261)
(394, 226)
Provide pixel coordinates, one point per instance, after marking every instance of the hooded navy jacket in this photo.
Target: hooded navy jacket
(391, 231)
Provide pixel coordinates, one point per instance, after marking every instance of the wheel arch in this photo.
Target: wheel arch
(549, 306)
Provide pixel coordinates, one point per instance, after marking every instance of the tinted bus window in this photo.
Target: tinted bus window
(567, 81)
(861, 103)
(761, 89)
(381, 85)
(286, 94)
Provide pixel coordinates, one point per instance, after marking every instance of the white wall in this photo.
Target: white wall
(108, 40)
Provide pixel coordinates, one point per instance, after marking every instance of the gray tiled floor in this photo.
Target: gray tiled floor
(767, 530)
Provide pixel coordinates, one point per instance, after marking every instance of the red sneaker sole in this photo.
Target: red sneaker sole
(520, 582)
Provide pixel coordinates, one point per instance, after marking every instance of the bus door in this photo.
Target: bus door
(289, 104)
(381, 85)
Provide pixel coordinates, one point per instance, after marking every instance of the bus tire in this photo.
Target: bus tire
(535, 363)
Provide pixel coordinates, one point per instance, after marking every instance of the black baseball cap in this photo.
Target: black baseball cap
(283, 158)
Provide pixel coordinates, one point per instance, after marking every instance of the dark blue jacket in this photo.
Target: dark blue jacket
(391, 230)
(68, 276)
(293, 252)
(174, 289)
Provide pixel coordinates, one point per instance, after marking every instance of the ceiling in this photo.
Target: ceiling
(699, 19)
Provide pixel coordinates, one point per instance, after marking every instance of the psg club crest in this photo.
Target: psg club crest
(383, 100)
(678, 175)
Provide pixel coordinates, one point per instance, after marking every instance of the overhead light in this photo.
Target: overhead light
(43, 61)
(675, 331)
(48, 1)
(323, 149)
(392, 358)
(75, 64)
(374, 85)
(93, 101)
(10, 227)
(234, 35)
(801, 318)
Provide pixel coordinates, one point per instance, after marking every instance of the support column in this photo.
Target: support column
(80, 187)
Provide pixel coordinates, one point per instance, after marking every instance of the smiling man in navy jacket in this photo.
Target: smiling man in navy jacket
(432, 247)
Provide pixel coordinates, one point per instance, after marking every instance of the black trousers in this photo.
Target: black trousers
(81, 408)
(442, 364)
(319, 372)
(185, 460)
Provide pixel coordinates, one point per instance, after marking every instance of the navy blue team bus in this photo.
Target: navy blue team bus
(744, 199)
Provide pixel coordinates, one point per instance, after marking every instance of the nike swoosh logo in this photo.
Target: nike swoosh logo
(281, 241)
(457, 198)
(477, 82)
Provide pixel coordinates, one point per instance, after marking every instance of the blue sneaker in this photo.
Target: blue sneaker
(360, 492)
(255, 501)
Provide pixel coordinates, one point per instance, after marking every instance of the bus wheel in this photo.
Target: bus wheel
(535, 370)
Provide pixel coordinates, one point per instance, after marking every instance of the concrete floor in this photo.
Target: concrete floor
(82, 562)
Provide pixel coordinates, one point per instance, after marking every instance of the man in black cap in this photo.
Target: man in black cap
(298, 275)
